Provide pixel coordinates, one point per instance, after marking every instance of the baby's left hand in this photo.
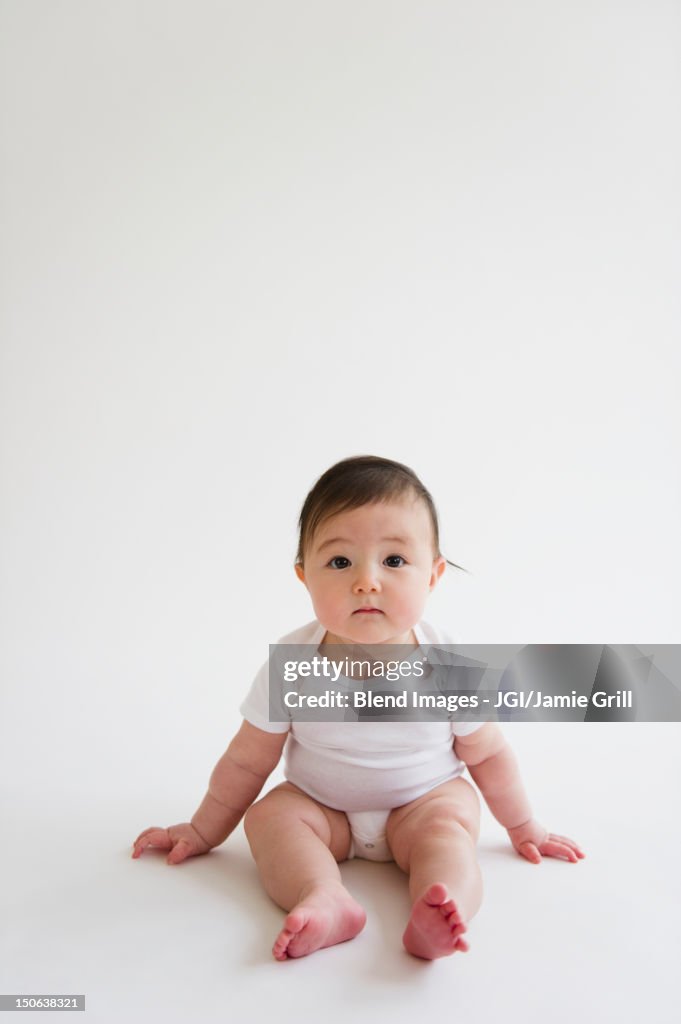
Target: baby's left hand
(531, 840)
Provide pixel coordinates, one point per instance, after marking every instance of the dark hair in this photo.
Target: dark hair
(362, 480)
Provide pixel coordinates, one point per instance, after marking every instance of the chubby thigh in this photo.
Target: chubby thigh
(454, 804)
(287, 803)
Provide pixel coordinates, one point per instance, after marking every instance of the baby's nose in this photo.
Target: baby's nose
(365, 581)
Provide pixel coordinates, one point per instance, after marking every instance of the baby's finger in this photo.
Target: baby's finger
(147, 831)
(530, 851)
(574, 847)
(568, 842)
(180, 851)
(552, 849)
(154, 838)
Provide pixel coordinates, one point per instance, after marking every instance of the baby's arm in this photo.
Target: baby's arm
(494, 768)
(234, 784)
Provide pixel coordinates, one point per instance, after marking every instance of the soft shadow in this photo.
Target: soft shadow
(383, 891)
(230, 874)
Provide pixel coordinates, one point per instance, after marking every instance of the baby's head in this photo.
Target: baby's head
(369, 550)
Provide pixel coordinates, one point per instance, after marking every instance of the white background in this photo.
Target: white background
(239, 242)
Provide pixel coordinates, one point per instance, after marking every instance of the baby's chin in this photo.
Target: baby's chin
(370, 632)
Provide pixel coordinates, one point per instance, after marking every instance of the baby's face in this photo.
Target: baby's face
(369, 572)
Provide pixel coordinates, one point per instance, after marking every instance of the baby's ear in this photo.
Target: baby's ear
(439, 566)
(300, 572)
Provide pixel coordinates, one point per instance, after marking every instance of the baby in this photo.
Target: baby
(369, 555)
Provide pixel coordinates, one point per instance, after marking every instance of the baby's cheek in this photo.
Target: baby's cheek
(326, 610)
(414, 608)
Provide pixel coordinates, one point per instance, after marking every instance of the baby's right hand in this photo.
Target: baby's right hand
(182, 840)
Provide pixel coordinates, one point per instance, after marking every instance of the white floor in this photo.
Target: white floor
(558, 942)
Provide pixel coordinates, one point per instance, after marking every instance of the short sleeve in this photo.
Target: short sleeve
(465, 728)
(453, 674)
(255, 708)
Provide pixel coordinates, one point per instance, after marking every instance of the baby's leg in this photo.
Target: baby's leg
(296, 843)
(433, 839)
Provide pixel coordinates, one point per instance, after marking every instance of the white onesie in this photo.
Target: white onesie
(363, 768)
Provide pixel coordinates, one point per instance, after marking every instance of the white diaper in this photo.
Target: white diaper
(368, 835)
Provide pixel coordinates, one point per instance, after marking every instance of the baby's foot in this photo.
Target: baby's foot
(326, 916)
(435, 927)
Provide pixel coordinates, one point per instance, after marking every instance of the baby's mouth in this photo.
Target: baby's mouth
(367, 611)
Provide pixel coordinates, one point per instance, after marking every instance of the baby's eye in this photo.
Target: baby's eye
(339, 562)
(394, 561)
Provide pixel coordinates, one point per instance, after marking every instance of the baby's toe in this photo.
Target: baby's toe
(436, 895)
